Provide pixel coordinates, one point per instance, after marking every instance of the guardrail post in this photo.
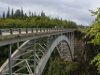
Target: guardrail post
(40, 29)
(19, 31)
(36, 29)
(32, 30)
(26, 30)
(47, 29)
(0, 32)
(44, 29)
(11, 31)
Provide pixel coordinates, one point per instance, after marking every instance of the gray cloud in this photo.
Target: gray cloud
(75, 10)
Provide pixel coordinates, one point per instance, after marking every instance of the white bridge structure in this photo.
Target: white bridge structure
(32, 55)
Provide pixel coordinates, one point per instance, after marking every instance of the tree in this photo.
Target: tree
(12, 13)
(32, 14)
(21, 12)
(3, 15)
(17, 13)
(94, 32)
(29, 14)
(8, 13)
(25, 15)
(42, 14)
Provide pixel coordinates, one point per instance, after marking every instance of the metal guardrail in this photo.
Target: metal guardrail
(29, 30)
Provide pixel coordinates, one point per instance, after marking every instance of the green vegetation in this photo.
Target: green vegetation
(94, 33)
(84, 53)
(21, 20)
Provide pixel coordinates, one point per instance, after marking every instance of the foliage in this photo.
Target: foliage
(21, 20)
(94, 33)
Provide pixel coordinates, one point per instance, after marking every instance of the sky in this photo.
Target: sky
(74, 10)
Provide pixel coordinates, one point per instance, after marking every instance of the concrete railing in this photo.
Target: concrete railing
(28, 30)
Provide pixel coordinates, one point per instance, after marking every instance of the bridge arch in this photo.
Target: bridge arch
(47, 54)
(23, 49)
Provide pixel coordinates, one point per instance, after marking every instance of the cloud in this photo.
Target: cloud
(75, 10)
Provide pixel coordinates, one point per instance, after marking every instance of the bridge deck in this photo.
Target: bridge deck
(12, 36)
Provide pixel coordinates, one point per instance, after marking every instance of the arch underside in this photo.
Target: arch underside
(23, 58)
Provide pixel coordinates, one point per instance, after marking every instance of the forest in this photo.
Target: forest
(86, 48)
(21, 20)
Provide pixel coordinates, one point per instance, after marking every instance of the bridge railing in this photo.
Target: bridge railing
(28, 30)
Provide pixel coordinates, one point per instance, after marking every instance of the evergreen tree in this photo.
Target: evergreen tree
(35, 13)
(12, 14)
(42, 14)
(29, 14)
(8, 12)
(25, 16)
(21, 12)
(3, 15)
(17, 14)
(32, 14)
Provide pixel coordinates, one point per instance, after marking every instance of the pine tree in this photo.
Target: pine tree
(29, 14)
(42, 14)
(25, 15)
(35, 13)
(12, 14)
(32, 14)
(21, 12)
(8, 13)
(17, 14)
(3, 15)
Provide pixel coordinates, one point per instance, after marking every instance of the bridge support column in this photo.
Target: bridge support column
(10, 60)
(34, 56)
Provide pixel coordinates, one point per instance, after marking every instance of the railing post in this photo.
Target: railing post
(11, 31)
(0, 32)
(36, 29)
(32, 30)
(26, 30)
(44, 29)
(47, 29)
(19, 31)
(40, 29)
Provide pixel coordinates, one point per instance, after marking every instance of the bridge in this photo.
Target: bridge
(37, 45)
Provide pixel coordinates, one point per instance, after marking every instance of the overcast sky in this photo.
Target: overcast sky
(75, 10)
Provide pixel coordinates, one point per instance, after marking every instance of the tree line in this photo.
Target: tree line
(22, 20)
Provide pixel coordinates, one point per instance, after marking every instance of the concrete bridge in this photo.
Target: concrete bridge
(31, 57)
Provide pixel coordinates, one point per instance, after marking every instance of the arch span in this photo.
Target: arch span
(47, 54)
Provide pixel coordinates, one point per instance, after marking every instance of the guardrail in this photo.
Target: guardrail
(28, 30)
